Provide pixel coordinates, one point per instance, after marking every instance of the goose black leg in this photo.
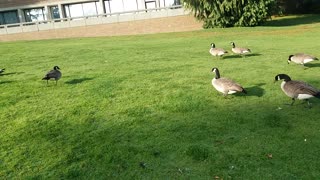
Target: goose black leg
(225, 95)
(293, 100)
(309, 104)
(304, 67)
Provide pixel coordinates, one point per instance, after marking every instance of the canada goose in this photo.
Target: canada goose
(297, 89)
(216, 51)
(2, 70)
(239, 50)
(224, 85)
(53, 74)
(301, 58)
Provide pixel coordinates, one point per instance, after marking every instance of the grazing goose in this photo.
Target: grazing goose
(297, 89)
(2, 70)
(53, 74)
(239, 50)
(224, 85)
(217, 51)
(301, 58)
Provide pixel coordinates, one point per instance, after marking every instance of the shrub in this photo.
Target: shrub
(229, 13)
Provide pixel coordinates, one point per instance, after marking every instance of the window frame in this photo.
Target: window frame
(44, 16)
(4, 19)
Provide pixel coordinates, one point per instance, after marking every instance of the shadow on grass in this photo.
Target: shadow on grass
(256, 90)
(294, 20)
(7, 74)
(78, 81)
(6, 82)
(235, 56)
(312, 65)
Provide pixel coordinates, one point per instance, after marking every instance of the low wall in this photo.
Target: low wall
(145, 26)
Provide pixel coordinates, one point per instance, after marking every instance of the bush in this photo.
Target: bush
(298, 6)
(229, 13)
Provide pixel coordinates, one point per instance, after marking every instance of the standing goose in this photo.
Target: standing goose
(53, 74)
(224, 85)
(217, 51)
(2, 70)
(301, 58)
(239, 50)
(297, 89)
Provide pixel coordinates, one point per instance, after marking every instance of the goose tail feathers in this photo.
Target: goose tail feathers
(46, 78)
(244, 91)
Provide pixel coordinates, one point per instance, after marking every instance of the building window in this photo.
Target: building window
(107, 6)
(150, 4)
(90, 9)
(74, 10)
(140, 5)
(171, 2)
(81, 9)
(36, 14)
(168, 3)
(9, 17)
(116, 6)
(130, 5)
(55, 12)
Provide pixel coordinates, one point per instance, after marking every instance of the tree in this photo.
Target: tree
(229, 13)
(298, 6)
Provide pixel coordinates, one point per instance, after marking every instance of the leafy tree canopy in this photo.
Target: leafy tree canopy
(229, 13)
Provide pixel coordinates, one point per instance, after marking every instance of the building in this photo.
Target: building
(19, 11)
(53, 19)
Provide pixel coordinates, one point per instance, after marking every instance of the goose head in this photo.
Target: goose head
(289, 59)
(213, 45)
(233, 45)
(216, 70)
(56, 67)
(279, 77)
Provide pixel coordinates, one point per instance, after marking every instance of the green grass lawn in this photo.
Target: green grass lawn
(143, 107)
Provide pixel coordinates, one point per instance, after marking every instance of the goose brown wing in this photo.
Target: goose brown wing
(53, 74)
(240, 50)
(230, 84)
(245, 50)
(306, 56)
(217, 51)
(221, 50)
(303, 88)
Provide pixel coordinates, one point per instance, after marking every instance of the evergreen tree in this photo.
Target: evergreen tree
(298, 6)
(229, 13)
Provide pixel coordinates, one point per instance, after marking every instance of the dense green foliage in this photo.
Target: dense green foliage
(143, 107)
(229, 13)
(298, 6)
